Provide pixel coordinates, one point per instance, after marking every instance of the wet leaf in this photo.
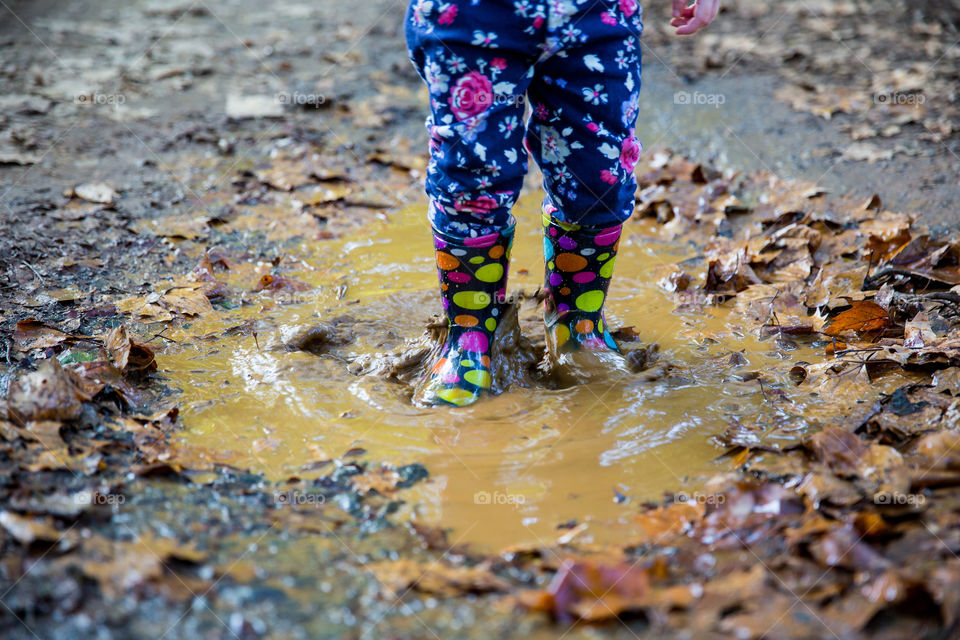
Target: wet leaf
(32, 334)
(595, 592)
(127, 353)
(439, 579)
(280, 283)
(864, 318)
(46, 394)
(186, 301)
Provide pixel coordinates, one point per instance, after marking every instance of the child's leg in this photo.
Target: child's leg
(581, 133)
(477, 62)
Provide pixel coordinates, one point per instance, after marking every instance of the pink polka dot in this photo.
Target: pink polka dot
(458, 277)
(483, 241)
(608, 236)
(553, 231)
(474, 341)
(568, 243)
(450, 378)
(584, 277)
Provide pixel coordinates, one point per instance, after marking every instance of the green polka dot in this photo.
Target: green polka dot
(600, 325)
(603, 256)
(490, 324)
(476, 260)
(490, 273)
(590, 301)
(478, 377)
(466, 363)
(471, 299)
(607, 269)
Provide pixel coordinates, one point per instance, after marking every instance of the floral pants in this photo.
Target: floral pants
(577, 62)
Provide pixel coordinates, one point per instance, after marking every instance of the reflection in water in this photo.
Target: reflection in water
(510, 469)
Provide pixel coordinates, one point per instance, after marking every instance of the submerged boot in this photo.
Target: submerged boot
(579, 263)
(473, 281)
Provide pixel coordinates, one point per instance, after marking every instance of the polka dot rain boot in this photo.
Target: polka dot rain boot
(579, 263)
(473, 281)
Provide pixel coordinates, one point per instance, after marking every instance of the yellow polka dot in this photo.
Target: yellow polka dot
(476, 260)
(490, 273)
(478, 377)
(590, 301)
(490, 324)
(471, 299)
(562, 334)
(607, 269)
(456, 396)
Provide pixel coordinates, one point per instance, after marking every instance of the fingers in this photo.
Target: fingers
(703, 13)
(678, 7)
(686, 13)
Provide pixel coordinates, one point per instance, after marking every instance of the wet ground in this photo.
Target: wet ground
(297, 492)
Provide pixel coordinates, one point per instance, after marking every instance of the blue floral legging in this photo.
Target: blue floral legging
(578, 64)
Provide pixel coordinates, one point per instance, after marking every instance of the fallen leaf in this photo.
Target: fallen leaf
(45, 394)
(32, 334)
(864, 318)
(435, 578)
(126, 353)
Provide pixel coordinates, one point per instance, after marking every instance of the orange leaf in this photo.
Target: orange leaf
(863, 318)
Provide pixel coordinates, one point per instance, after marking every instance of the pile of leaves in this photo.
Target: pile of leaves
(852, 530)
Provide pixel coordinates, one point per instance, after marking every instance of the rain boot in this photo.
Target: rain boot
(473, 281)
(579, 263)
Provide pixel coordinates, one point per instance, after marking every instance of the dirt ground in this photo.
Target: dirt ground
(135, 136)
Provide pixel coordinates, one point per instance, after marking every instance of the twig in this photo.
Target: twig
(36, 273)
(159, 334)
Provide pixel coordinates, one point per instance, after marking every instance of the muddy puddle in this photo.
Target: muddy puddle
(522, 468)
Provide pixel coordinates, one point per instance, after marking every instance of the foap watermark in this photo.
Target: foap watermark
(896, 498)
(298, 498)
(284, 298)
(97, 498)
(480, 299)
(899, 98)
(696, 497)
(698, 98)
(299, 99)
(498, 497)
(100, 99)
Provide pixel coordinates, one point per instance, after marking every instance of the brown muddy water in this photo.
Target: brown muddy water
(521, 468)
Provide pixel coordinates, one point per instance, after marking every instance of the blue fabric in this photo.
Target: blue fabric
(577, 62)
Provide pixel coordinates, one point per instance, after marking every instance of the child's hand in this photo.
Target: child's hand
(689, 20)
